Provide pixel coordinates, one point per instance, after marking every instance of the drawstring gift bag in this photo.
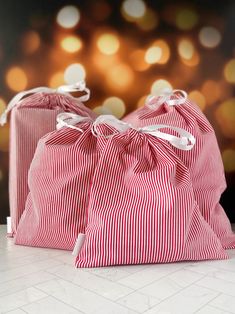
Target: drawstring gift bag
(33, 114)
(59, 179)
(204, 161)
(141, 207)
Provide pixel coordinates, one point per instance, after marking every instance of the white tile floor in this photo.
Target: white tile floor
(45, 281)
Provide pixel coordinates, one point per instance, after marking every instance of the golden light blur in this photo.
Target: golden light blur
(148, 21)
(209, 37)
(1, 175)
(137, 59)
(229, 71)
(193, 61)
(115, 105)
(74, 73)
(16, 79)
(120, 77)
(31, 42)
(102, 63)
(198, 98)
(101, 110)
(186, 19)
(71, 44)
(108, 43)
(211, 91)
(4, 138)
(142, 101)
(159, 85)
(129, 59)
(228, 156)
(56, 80)
(2, 105)
(225, 115)
(68, 16)
(186, 49)
(153, 55)
(165, 49)
(133, 9)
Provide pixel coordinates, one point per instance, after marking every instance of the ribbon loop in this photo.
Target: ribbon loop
(185, 141)
(165, 97)
(64, 89)
(77, 87)
(110, 120)
(69, 120)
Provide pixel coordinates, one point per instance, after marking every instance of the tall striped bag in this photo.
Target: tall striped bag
(142, 208)
(33, 114)
(204, 161)
(59, 180)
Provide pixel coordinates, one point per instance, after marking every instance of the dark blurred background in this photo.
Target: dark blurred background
(125, 50)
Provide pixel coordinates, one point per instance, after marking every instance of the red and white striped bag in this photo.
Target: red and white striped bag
(204, 161)
(33, 114)
(60, 178)
(142, 208)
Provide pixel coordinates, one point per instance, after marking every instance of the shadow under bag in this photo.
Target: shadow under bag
(204, 160)
(142, 207)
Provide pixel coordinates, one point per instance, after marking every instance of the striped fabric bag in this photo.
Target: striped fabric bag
(204, 161)
(142, 207)
(60, 177)
(33, 114)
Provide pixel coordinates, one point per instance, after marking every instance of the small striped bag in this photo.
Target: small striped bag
(60, 178)
(204, 161)
(33, 114)
(142, 208)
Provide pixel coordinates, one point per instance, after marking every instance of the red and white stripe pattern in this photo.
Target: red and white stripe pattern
(32, 118)
(142, 207)
(204, 161)
(60, 178)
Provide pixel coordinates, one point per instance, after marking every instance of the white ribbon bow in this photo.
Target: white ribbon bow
(110, 120)
(165, 97)
(68, 119)
(64, 89)
(185, 141)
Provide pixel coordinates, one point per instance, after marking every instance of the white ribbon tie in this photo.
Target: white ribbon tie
(185, 140)
(64, 89)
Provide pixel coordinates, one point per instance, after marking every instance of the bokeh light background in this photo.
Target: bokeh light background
(125, 50)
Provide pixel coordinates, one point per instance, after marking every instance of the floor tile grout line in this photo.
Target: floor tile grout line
(26, 288)
(34, 272)
(210, 275)
(207, 303)
(59, 258)
(14, 268)
(163, 278)
(216, 290)
(217, 308)
(118, 301)
(192, 284)
(154, 280)
(33, 302)
(170, 295)
(73, 307)
(22, 310)
(134, 290)
(86, 290)
(89, 270)
(99, 276)
(19, 307)
(110, 300)
(49, 295)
